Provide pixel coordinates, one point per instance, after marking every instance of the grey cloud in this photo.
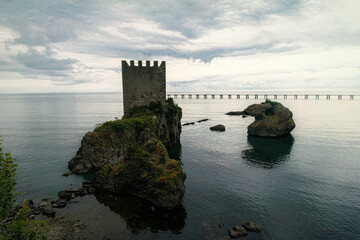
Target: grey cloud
(33, 59)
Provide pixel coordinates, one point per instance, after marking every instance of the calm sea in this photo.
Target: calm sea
(305, 186)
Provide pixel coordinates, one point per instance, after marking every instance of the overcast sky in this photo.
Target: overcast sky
(208, 45)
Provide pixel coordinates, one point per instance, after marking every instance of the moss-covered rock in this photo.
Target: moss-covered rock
(272, 119)
(109, 142)
(148, 172)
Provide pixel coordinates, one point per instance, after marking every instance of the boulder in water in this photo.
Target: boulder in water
(272, 119)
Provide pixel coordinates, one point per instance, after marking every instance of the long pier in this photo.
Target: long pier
(261, 96)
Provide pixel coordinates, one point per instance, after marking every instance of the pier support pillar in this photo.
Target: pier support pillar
(306, 97)
(327, 97)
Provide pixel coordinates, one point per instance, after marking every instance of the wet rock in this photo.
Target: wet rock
(219, 128)
(48, 210)
(271, 119)
(46, 201)
(238, 231)
(251, 227)
(60, 203)
(65, 195)
(203, 120)
(189, 123)
(235, 113)
(67, 174)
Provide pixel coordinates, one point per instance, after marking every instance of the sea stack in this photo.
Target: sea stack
(272, 119)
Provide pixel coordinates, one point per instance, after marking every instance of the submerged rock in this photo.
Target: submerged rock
(271, 119)
(148, 172)
(219, 128)
(108, 143)
(251, 227)
(238, 231)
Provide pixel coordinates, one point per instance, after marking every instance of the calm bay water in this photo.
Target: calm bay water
(305, 186)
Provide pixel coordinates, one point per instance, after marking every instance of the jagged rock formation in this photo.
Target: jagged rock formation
(148, 172)
(108, 143)
(271, 119)
(129, 155)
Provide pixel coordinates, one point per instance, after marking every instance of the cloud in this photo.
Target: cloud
(207, 43)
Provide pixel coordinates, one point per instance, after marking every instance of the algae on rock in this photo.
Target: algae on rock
(108, 143)
(148, 172)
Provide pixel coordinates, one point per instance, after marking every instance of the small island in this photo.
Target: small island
(272, 119)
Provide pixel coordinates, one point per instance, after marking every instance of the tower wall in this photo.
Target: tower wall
(143, 84)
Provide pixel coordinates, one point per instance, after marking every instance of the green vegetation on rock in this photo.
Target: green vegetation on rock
(109, 142)
(148, 172)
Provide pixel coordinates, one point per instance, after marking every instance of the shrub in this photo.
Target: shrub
(7, 183)
(20, 226)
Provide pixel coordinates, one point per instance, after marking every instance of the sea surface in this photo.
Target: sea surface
(304, 186)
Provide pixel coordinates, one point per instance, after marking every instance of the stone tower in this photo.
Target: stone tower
(143, 84)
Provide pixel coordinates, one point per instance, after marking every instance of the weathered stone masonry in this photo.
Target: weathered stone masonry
(143, 84)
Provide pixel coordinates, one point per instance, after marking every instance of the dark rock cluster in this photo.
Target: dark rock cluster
(242, 231)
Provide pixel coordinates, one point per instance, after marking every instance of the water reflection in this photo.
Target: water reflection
(267, 152)
(141, 215)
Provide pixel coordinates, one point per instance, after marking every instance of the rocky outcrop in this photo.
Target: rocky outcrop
(271, 119)
(218, 128)
(108, 143)
(130, 155)
(148, 172)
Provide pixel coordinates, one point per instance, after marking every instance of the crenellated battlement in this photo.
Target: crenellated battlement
(140, 63)
(143, 83)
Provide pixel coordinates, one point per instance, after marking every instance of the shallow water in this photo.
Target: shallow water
(305, 186)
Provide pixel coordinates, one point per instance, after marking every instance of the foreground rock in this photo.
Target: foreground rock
(108, 143)
(271, 119)
(219, 128)
(148, 172)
